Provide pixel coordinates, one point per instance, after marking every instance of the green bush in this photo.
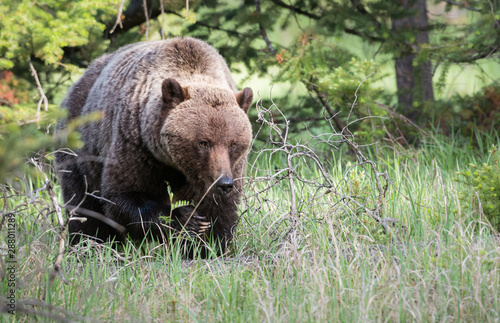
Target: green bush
(485, 180)
(468, 113)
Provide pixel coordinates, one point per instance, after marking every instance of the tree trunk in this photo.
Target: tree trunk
(414, 83)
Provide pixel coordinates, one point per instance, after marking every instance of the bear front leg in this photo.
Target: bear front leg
(142, 215)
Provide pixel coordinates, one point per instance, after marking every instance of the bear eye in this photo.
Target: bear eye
(232, 146)
(204, 144)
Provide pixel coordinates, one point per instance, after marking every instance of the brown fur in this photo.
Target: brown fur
(171, 114)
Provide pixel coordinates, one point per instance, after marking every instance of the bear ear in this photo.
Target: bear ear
(172, 93)
(244, 98)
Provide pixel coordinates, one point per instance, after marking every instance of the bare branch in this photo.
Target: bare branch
(56, 270)
(43, 98)
(145, 6)
(340, 197)
(376, 212)
(324, 102)
(492, 10)
(115, 225)
(162, 9)
(119, 17)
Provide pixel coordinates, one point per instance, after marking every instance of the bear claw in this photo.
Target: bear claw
(191, 221)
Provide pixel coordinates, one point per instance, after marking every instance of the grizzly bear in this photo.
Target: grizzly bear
(171, 119)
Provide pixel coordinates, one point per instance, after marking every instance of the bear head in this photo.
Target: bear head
(206, 133)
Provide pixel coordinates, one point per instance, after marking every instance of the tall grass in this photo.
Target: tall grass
(338, 266)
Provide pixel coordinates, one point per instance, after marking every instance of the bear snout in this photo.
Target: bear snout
(224, 185)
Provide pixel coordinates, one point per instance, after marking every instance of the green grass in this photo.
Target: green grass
(339, 266)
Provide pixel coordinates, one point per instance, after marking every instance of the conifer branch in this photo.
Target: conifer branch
(463, 5)
(263, 32)
(296, 10)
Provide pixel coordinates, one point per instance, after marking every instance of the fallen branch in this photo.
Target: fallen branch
(62, 224)
(290, 176)
(349, 139)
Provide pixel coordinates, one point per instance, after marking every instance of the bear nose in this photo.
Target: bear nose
(224, 184)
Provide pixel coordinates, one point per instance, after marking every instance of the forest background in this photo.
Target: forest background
(373, 184)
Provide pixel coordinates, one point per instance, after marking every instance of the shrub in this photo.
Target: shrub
(485, 180)
(469, 112)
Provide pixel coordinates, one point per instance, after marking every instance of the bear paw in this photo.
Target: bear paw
(188, 219)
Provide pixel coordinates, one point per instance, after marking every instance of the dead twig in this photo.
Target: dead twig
(43, 98)
(77, 209)
(119, 17)
(492, 11)
(146, 15)
(162, 10)
(340, 197)
(377, 211)
(56, 269)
